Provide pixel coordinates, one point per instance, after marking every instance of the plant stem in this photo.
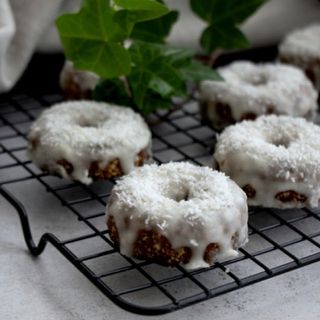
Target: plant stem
(127, 86)
(214, 56)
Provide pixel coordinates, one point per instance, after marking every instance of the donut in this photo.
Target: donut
(302, 49)
(88, 141)
(251, 90)
(274, 159)
(177, 213)
(77, 84)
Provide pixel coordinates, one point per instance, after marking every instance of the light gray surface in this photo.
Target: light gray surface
(49, 287)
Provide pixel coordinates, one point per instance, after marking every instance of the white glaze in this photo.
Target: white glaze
(85, 131)
(152, 197)
(273, 154)
(302, 48)
(84, 80)
(254, 88)
(303, 42)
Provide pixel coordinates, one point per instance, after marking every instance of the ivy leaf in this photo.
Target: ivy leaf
(143, 9)
(132, 12)
(153, 72)
(153, 62)
(219, 11)
(112, 90)
(159, 73)
(196, 71)
(154, 102)
(190, 69)
(155, 30)
(227, 37)
(223, 17)
(91, 40)
(179, 57)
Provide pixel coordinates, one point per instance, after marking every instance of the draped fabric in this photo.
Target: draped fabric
(22, 24)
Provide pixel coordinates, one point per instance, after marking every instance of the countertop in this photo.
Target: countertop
(49, 287)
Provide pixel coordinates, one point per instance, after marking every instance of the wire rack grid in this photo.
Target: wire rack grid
(280, 241)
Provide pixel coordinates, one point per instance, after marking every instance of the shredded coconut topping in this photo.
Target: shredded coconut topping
(85, 80)
(303, 42)
(273, 154)
(261, 89)
(81, 132)
(192, 206)
(302, 49)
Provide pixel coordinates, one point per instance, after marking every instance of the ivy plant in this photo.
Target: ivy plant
(124, 43)
(223, 18)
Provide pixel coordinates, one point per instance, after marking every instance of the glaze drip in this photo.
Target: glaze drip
(269, 157)
(251, 90)
(191, 206)
(86, 132)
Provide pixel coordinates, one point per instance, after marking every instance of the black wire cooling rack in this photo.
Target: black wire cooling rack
(280, 240)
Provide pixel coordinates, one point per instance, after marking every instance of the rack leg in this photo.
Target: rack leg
(33, 248)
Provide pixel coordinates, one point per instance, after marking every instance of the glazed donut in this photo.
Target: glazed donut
(251, 90)
(87, 141)
(274, 159)
(302, 49)
(77, 84)
(177, 213)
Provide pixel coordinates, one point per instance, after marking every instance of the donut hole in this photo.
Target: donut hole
(258, 80)
(85, 123)
(180, 195)
(283, 138)
(90, 123)
(281, 143)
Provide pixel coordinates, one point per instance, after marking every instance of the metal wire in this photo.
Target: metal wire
(276, 237)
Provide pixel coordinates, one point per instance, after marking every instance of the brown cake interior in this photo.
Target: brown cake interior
(151, 245)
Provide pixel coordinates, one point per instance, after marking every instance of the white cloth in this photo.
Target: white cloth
(22, 23)
(25, 26)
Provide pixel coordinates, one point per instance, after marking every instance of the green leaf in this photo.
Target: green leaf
(154, 102)
(219, 11)
(223, 17)
(160, 86)
(179, 57)
(146, 9)
(196, 72)
(112, 90)
(204, 8)
(79, 24)
(154, 73)
(137, 79)
(132, 12)
(158, 74)
(91, 39)
(155, 30)
(227, 37)
(108, 60)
